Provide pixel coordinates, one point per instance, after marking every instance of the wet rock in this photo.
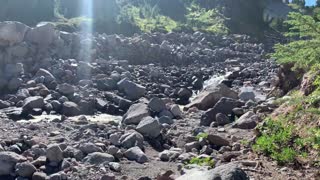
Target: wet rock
(8, 160)
(136, 154)
(25, 169)
(135, 114)
(224, 172)
(192, 145)
(211, 95)
(97, 158)
(157, 105)
(70, 109)
(149, 126)
(247, 121)
(46, 74)
(133, 91)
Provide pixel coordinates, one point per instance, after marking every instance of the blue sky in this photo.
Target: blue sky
(310, 2)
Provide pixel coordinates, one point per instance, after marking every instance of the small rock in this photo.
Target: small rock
(149, 126)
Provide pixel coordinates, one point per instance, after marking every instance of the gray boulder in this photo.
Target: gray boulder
(135, 114)
(65, 89)
(149, 126)
(43, 34)
(12, 33)
(156, 105)
(88, 148)
(224, 105)
(224, 172)
(247, 121)
(132, 90)
(25, 169)
(131, 139)
(70, 109)
(247, 93)
(136, 154)
(218, 140)
(98, 158)
(54, 153)
(211, 95)
(33, 102)
(8, 160)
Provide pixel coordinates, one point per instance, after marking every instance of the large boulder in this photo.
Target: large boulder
(135, 114)
(136, 154)
(43, 34)
(224, 105)
(149, 126)
(46, 74)
(65, 89)
(132, 90)
(247, 121)
(54, 153)
(8, 160)
(33, 102)
(131, 139)
(224, 172)
(211, 95)
(70, 109)
(12, 33)
(25, 169)
(157, 105)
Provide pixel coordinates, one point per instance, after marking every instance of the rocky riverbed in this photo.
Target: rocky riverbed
(112, 107)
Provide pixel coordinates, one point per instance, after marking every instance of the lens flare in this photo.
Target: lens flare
(86, 29)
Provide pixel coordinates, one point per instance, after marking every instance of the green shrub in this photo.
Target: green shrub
(202, 135)
(208, 161)
(200, 19)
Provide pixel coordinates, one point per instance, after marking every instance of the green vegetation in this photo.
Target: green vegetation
(202, 136)
(293, 136)
(208, 161)
(304, 52)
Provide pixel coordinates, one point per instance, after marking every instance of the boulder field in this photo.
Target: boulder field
(179, 97)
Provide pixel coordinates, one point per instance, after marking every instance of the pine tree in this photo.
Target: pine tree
(318, 3)
(304, 52)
